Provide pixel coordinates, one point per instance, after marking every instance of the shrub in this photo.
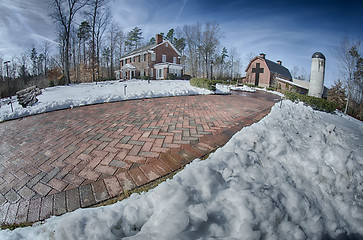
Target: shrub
(203, 83)
(145, 77)
(186, 77)
(314, 102)
(171, 76)
(51, 83)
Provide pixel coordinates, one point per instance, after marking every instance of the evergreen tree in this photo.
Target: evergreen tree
(134, 37)
(337, 94)
(34, 59)
(152, 41)
(84, 33)
(180, 44)
(170, 36)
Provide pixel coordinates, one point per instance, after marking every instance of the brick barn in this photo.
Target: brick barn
(154, 61)
(263, 72)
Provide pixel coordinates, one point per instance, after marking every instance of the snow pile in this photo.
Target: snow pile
(61, 97)
(297, 174)
(243, 88)
(222, 88)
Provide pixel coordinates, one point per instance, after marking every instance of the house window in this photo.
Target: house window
(139, 57)
(151, 72)
(164, 58)
(153, 56)
(133, 59)
(167, 45)
(174, 59)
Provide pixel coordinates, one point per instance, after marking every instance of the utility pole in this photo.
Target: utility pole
(7, 73)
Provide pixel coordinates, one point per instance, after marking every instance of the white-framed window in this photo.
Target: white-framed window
(174, 59)
(133, 59)
(167, 45)
(164, 58)
(153, 56)
(151, 72)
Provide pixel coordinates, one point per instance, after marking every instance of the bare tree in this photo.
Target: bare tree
(100, 17)
(1, 67)
(46, 48)
(347, 64)
(210, 41)
(120, 43)
(191, 33)
(63, 13)
(113, 37)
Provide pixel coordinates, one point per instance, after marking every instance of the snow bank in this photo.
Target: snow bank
(297, 174)
(61, 97)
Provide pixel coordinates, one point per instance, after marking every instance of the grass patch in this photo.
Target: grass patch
(13, 226)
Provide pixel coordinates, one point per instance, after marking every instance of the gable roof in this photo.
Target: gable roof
(273, 67)
(149, 47)
(279, 69)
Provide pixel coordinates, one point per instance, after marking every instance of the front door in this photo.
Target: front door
(159, 73)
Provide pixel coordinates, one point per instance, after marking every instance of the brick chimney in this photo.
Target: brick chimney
(159, 38)
(262, 55)
(279, 62)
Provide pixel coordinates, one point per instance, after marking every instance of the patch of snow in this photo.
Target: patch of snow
(243, 88)
(62, 97)
(296, 174)
(222, 88)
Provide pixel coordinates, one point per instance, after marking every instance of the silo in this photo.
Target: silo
(316, 87)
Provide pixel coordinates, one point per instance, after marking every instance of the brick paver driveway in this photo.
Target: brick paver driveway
(57, 162)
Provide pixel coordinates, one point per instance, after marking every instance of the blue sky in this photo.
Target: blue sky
(290, 31)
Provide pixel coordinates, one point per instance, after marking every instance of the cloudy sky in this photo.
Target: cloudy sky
(290, 31)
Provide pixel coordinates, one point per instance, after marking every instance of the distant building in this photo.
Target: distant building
(154, 61)
(266, 73)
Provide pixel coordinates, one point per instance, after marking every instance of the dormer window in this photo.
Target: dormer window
(167, 44)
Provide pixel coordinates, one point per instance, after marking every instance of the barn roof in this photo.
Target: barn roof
(273, 67)
(279, 69)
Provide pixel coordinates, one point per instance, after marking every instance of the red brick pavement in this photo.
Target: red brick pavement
(57, 162)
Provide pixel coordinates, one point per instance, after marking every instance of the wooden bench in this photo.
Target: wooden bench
(27, 96)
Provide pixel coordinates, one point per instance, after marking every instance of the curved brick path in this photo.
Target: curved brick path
(57, 162)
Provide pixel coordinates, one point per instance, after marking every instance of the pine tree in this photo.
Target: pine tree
(84, 33)
(134, 37)
(170, 36)
(34, 59)
(152, 41)
(337, 94)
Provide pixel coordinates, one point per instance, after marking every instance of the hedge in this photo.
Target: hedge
(203, 83)
(314, 102)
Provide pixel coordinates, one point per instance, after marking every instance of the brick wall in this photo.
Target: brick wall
(264, 77)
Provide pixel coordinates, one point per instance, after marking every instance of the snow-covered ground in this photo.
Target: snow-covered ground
(61, 97)
(296, 174)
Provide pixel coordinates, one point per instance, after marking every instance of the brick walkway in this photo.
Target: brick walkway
(57, 162)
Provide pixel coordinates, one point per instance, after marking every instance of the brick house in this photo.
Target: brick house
(154, 61)
(263, 72)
